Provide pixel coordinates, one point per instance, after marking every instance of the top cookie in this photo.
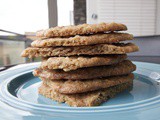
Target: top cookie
(88, 99)
(81, 29)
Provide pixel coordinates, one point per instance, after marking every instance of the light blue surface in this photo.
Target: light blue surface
(21, 100)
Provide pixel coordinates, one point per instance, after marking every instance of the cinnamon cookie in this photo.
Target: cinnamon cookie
(88, 99)
(100, 49)
(81, 86)
(82, 40)
(81, 29)
(73, 63)
(122, 68)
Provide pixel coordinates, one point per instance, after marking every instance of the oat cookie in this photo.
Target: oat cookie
(73, 63)
(94, 98)
(118, 48)
(82, 40)
(81, 29)
(81, 86)
(123, 68)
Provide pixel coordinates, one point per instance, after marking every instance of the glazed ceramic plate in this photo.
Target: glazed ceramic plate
(19, 91)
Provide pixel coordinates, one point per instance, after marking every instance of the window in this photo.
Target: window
(65, 12)
(23, 15)
(139, 15)
(19, 16)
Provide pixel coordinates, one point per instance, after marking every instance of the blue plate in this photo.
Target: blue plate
(19, 94)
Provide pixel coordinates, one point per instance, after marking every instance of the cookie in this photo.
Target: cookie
(73, 63)
(82, 40)
(88, 99)
(122, 68)
(100, 49)
(81, 86)
(80, 29)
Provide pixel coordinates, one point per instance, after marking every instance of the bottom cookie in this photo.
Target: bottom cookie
(94, 98)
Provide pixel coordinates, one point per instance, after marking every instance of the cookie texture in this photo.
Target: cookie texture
(100, 49)
(82, 40)
(122, 68)
(81, 29)
(73, 63)
(81, 86)
(88, 99)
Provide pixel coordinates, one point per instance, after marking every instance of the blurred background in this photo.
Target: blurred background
(20, 19)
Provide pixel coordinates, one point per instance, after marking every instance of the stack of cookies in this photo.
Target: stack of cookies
(83, 65)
